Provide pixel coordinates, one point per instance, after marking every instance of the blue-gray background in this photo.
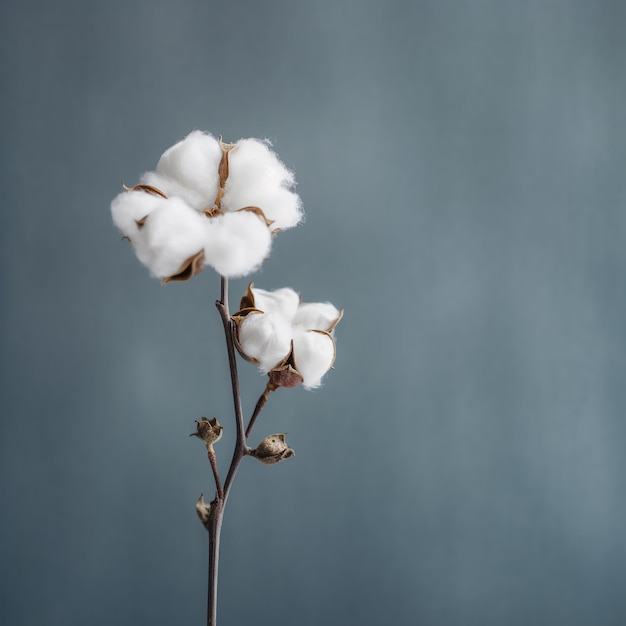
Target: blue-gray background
(462, 168)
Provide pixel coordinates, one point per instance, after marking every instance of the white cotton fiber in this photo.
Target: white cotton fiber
(316, 316)
(254, 161)
(172, 234)
(194, 164)
(281, 301)
(129, 207)
(173, 189)
(237, 243)
(265, 338)
(258, 178)
(314, 354)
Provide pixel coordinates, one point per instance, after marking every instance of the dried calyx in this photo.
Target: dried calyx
(203, 510)
(272, 449)
(209, 430)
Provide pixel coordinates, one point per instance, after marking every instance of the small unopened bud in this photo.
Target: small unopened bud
(203, 509)
(209, 430)
(272, 449)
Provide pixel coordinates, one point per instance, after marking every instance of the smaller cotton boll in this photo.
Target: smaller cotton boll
(314, 354)
(237, 243)
(280, 301)
(173, 233)
(316, 316)
(172, 188)
(194, 163)
(129, 207)
(265, 338)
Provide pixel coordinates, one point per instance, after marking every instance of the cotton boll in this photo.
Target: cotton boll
(172, 234)
(237, 243)
(316, 316)
(314, 354)
(265, 338)
(194, 163)
(172, 188)
(129, 207)
(281, 301)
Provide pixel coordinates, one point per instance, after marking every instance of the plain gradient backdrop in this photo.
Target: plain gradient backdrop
(462, 168)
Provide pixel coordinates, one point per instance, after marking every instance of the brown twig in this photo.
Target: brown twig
(259, 406)
(241, 449)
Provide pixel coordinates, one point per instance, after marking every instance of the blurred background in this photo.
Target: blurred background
(461, 165)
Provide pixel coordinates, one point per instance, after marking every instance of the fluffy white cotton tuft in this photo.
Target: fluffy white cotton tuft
(265, 338)
(258, 178)
(129, 207)
(193, 164)
(173, 189)
(237, 243)
(280, 301)
(314, 354)
(172, 234)
(316, 316)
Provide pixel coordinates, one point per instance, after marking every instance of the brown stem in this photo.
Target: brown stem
(259, 407)
(241, 450)
(216, 474)
(215, 526)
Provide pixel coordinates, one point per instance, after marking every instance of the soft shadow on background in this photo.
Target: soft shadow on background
(462, 168)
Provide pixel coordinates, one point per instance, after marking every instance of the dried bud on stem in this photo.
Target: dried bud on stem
(203, 509)
(272, 449)
(209, 430)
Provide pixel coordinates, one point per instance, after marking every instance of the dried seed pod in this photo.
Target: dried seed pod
(203, 509)
(272, 449)
(209, 430)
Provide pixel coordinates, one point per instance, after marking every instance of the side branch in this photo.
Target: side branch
(259, 406)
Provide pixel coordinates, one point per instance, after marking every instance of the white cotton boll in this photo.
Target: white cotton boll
(172, 234)
(194, 163)
(316, 316)
(237, 243)
(281, 301)
(314, 354)
(172, 188)
(129, 207)
(258, 178)
(265, 338)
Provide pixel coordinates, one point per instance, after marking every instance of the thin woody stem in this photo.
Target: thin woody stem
(241, 449)
(216, 474)
(214, 527)
(259, 407)
(216, 515)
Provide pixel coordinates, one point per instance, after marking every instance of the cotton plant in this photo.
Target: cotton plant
(212, 204)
